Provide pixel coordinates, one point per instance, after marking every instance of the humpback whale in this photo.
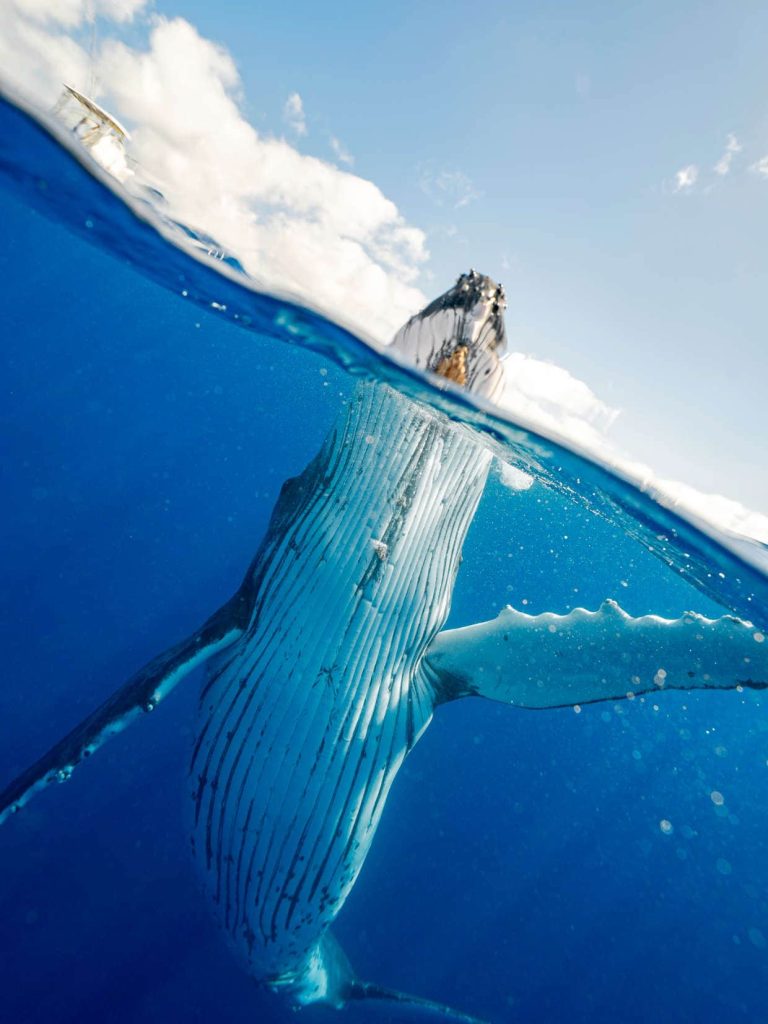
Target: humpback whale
(327, 665)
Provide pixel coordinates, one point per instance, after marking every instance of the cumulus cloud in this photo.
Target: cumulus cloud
(296, 222)
(732, 147)
(556, 400)
(761, 167)
(39, 44)
(72, 13)
(298, 225)
(549, 398)
(293, 112)
(686, 178)
(36, 59)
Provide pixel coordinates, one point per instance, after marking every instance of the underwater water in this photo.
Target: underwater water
(520, 871)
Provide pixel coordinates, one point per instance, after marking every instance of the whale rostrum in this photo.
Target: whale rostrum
(327, 665)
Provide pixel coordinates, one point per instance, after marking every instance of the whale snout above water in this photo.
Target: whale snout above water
(326, 666)
(461, 335)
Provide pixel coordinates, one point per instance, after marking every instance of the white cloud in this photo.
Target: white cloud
(293, 112)
(447, 187)
(341, 152)
(37, 60)
(534, 389)
(296, 222)
(761, 166)
(686, 178)
(549, 398)
(732, 147)
(72, 13)
(299, 225)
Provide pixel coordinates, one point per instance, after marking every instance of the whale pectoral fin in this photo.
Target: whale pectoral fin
(141, 693)
(549, 661)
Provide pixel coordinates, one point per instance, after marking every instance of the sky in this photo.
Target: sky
(607, 163)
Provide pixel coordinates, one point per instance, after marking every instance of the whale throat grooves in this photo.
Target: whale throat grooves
(305, 721)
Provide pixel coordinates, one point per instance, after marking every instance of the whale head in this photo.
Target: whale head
(460, 336)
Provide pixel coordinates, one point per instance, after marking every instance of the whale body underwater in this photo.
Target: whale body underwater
(327, 665)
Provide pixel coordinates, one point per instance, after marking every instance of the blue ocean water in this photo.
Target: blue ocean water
(520, 872)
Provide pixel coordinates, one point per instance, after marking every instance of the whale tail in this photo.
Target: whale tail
(330, 979)
(415, 1007)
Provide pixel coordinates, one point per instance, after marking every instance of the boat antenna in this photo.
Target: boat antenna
(91, 18)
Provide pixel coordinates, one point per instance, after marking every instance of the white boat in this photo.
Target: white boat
(104, 138)
(101, 133)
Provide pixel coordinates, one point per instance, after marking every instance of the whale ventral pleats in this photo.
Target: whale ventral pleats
(460, 335)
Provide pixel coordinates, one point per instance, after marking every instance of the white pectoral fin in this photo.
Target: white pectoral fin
(549, 661)
(142, 693)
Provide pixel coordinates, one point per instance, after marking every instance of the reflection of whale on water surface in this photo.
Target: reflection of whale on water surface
(326, 666)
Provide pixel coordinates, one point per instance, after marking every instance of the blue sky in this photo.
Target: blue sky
(540, 142)
(570, 122)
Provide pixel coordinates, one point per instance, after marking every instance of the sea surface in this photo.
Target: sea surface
(153, 402)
